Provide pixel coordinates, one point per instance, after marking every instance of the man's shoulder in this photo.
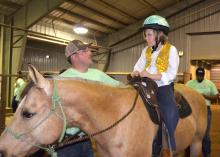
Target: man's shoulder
(209, 82)
(191, 82)
(67, 72)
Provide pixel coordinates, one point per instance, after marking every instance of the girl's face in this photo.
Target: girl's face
(150, 36)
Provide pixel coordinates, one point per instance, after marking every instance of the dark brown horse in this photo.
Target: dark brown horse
(93, 107)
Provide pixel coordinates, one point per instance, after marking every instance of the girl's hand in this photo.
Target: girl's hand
(135, 73)
(144, 74)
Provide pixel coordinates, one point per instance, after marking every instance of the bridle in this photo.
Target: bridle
(56, 100)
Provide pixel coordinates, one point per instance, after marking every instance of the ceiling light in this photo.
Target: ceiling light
(80, 29)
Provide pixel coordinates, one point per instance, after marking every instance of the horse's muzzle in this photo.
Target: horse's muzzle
(4, 154)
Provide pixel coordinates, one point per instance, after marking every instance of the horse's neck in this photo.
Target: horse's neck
(87, 105)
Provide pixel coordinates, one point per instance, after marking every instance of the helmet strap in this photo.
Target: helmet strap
(157, 41)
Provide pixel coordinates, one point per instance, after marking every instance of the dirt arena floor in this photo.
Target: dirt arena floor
(215, 131)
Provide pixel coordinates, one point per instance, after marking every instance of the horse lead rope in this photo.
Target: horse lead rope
(56, 98)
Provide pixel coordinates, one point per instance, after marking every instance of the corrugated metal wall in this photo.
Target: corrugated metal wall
(36, 52)
(204, 17)
(126, 54)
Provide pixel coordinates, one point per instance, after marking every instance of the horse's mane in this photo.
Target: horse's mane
(121, 85)
(30, 83)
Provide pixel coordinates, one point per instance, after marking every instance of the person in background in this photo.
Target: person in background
(208, 89)
(159, 61)
(18, 88)
(79, 56)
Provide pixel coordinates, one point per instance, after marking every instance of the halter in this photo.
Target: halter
(56, 99)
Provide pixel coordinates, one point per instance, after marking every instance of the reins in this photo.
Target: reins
(71, 140)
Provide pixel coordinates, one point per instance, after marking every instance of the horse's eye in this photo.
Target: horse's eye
(27, 114)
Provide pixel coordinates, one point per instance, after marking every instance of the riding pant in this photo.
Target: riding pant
(169, 111)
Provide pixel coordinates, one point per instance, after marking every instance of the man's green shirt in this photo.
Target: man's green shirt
(91, 74)
(205, 87)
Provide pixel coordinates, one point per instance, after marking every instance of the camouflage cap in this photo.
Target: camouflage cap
(74, 46)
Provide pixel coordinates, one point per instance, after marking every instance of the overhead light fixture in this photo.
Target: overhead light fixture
(47, 56)
(79, 29)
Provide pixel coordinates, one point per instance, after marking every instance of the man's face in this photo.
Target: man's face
(84, 57)
(150, 35)
(199, 78)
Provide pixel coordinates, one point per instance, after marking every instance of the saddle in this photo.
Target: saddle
(147, 89)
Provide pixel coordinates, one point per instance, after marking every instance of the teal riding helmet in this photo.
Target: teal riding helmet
(156, 22)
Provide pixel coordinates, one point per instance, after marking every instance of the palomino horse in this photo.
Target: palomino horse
(92, 107)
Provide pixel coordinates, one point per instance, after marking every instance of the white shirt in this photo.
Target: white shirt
(169, 75)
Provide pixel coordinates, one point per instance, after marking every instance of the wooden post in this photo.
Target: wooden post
(186, 77)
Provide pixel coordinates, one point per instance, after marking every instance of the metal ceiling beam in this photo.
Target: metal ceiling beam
(133, 29)
(86, 19)
(2, 12)
(10, 4)
(119, 10)
(33, 11)
(149, 4)
(106, 16)
(68, 22)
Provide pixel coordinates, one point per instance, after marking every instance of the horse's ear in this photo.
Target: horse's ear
(36, 77)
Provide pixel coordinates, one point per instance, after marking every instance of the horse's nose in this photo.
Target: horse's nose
(2, 153)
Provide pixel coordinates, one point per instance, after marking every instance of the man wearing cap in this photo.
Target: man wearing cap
(208, 89)
(78, 55)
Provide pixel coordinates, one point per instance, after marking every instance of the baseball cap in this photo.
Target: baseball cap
(200, 71)
(74, 46)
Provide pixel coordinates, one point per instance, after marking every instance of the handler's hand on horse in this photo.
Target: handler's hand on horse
(135, 73)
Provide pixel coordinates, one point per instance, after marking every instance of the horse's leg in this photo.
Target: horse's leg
(195, 148)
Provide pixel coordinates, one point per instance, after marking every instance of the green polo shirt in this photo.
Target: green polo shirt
(19, 86)
(93, 75)
(206, 87)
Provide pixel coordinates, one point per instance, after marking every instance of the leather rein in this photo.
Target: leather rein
(72, 139)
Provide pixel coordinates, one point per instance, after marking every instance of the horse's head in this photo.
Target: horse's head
(29, 128)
